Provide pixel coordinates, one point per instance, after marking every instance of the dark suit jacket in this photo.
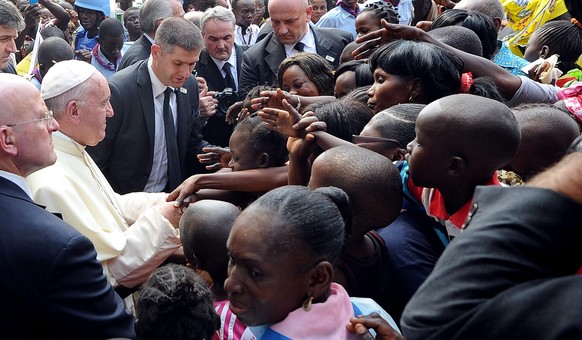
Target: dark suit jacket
(52, 285)
(217, 131)
(510, 275)
(261, 61)
(126, 154)
(139, 50)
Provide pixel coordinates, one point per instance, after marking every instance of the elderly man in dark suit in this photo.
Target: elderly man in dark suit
(220, 65)
(152, 140)
(52, 284)
(292, 33)
(151, 15)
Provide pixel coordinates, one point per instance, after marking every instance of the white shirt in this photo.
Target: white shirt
(18, 180)
(249, 37)
(308, 40)
(232, 62)
(159, 174)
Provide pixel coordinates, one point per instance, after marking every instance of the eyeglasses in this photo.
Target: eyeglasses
(47, 117)
(364, 139)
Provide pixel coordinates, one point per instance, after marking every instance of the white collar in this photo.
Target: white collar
(157, 86)
(308, 40)
(231, 60)
(18, 180)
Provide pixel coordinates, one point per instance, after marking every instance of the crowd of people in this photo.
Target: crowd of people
(291, 169)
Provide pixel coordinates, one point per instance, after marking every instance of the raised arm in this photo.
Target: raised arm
(506, 82)
(255, 180)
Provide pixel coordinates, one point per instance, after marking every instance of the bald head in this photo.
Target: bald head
(546, 134)
(204, 229)
(290, 19)
(482, 131)
(371, 181)
(25, 128)
(491, 8)
(460, 38)
(51, 51)
(11, 87)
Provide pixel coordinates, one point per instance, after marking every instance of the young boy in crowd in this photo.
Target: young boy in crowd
(106, 54)
(546, 134)
(373, 185)
(204, 229)
(461, 140)
(131, 23)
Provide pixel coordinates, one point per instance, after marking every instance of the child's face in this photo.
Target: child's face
(245, 12)
(297, 82)
(45, 15)
(365, 23)
(132, 21)
(319, 9)
(388, 90)
(382, 145)
(532, 50)
(260, 11)
(243, 155)
(111, 46)
(264, 284)
(427, 155)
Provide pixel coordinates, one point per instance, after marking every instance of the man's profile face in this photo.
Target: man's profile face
(7, 44)
(289, 20)
(219, 38)
(173, 66)
(32, 136)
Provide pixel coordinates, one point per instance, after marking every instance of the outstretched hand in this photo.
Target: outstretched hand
(233, 112)
(389, 32)
(181, 195)
(361, 325)
(273, 99)
(215, 157)
(282, 120)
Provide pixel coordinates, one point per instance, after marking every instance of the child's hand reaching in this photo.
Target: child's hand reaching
(283, 121)
(215, 157)
(387, 33)
(274, 100)
(361, 325)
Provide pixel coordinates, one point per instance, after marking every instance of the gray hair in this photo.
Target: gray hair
(151, 12)
(10, 16)
(217, 13)
(491, 8)
(78, 93)
(180, 32)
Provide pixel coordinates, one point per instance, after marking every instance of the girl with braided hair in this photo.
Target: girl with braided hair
(175, 303)
(560, 37)
(369, 19)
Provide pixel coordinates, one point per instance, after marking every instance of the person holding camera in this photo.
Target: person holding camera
(220, 65)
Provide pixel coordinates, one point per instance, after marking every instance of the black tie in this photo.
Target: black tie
(228, 77)
(174, 176)
(299, 46)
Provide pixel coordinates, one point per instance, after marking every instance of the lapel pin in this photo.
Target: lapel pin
(329, 58)
(183, 90)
